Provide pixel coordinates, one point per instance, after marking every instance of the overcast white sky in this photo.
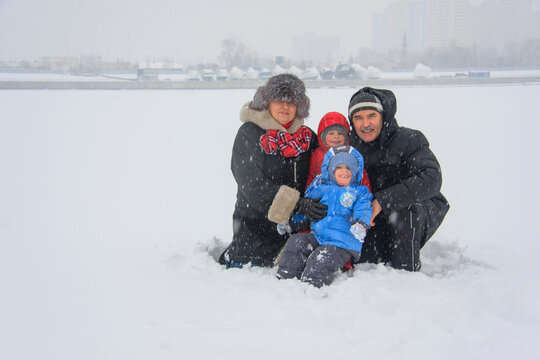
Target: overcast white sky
(185, 30)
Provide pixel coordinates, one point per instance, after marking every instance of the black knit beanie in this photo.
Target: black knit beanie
(364, 101)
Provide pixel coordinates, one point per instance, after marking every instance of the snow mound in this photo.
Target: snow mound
(278, 70)
(422, 71)
(359, 70)
(236, 74)
(440, 259)
(373, 72)
(214, 247)
(295, 71)
(252, 74)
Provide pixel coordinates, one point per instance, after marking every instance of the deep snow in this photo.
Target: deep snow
(112, 204)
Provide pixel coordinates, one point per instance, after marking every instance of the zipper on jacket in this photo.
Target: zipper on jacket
(294, 171)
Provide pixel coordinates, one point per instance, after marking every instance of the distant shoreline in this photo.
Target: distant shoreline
(253, 84)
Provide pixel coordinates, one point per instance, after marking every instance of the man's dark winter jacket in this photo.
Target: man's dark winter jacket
(269, 187)
(401, 167)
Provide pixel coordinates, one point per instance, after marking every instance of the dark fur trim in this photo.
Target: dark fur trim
(283, 87)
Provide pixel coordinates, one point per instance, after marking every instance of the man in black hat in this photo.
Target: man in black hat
(405, 177)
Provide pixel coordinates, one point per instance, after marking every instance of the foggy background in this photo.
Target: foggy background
(110, 208)
(433, 31)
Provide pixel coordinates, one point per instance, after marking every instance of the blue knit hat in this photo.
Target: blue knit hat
(344, 155)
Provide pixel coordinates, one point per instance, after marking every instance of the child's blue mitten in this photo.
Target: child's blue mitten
(359, 231)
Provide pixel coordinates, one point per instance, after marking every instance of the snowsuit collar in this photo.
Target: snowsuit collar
(390, 125)
(264, 119)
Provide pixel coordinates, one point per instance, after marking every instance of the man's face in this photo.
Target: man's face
(282, 111)
(367, 124)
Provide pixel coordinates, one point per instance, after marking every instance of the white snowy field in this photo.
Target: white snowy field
(112, 204)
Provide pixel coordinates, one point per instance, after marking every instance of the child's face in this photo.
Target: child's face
(343, 175)
(334, 138)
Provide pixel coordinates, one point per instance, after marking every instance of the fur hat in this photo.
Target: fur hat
(364, 101)
(336, 127)
(283, 87)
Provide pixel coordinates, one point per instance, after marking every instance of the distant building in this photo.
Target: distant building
(318, 50)
(497, 23)
(160, 65)
(424, 24)
(379, 33)
(417, 26)
(447, 23)
(400, 22)
(438, 24)
(60, 63)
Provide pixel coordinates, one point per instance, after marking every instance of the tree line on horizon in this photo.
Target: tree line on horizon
(234, 53)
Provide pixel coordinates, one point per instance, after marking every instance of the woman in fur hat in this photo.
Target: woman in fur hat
(270, 163)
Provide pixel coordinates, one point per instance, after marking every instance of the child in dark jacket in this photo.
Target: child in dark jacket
(336, 239)
(334, 130)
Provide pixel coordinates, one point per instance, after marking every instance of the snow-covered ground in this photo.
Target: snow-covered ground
(112, 204)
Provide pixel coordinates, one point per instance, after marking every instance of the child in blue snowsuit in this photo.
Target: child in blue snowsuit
(314, 257)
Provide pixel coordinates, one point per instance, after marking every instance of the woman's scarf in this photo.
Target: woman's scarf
(274, 141)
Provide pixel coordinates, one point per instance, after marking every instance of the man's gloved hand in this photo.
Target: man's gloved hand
(359, 231)
(283, 229)
(311, 208)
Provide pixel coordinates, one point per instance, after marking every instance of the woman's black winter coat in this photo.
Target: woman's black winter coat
(269, 187)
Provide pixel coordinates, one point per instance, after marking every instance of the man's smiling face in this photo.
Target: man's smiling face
(367, 124)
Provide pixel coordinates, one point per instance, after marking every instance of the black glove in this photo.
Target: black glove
(311, 208)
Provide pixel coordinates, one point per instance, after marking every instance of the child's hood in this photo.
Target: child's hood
(346, 155)
(329, 119)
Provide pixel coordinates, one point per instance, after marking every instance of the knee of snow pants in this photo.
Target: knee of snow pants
(295, 253)
(323, 263)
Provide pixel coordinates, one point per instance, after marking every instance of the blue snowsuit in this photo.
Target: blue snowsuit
(314, 257)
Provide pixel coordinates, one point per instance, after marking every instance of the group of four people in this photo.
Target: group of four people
(377, 200)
